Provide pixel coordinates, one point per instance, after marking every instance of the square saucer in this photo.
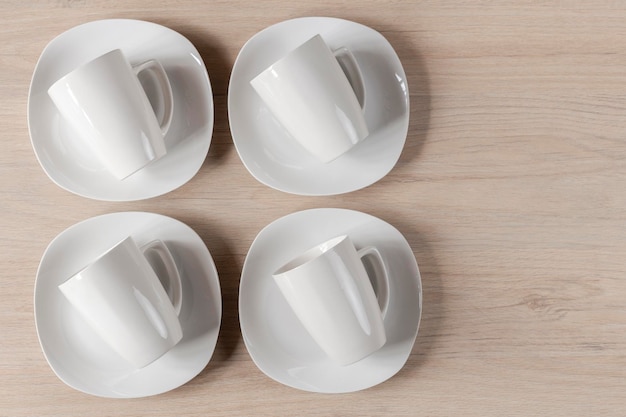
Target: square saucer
(267, 150)
(64, 156)
(279, 344)
(75, 352)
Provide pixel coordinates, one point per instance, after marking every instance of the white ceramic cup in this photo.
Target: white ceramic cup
(120, 296)
(329, 290)
(318, 96)
(105, 103)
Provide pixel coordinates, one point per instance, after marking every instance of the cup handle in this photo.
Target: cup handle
(157, 70)
(380, 276)
(175, 290)
(348, 64)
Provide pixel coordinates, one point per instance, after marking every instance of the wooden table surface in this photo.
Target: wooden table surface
(510, 191)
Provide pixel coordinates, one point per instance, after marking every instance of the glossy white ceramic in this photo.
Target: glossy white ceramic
(72, 348)
(329, 290)
(276, 340)
(123, 300)
(310, 95)
(265, 146)
(108, 108)
(63, 154)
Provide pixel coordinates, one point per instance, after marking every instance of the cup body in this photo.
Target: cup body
(308, 92)
(328, 289)
(105, 103)
(120, 296)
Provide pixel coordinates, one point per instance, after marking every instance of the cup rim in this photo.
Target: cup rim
(84, 65)
(310, 255)
(97, 259)
(288, 55)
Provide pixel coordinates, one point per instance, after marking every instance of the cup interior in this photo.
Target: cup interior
(289, 56)
(83, 66)
(310, 255)
(96, 259)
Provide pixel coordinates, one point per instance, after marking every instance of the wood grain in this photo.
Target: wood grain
(510, 190)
